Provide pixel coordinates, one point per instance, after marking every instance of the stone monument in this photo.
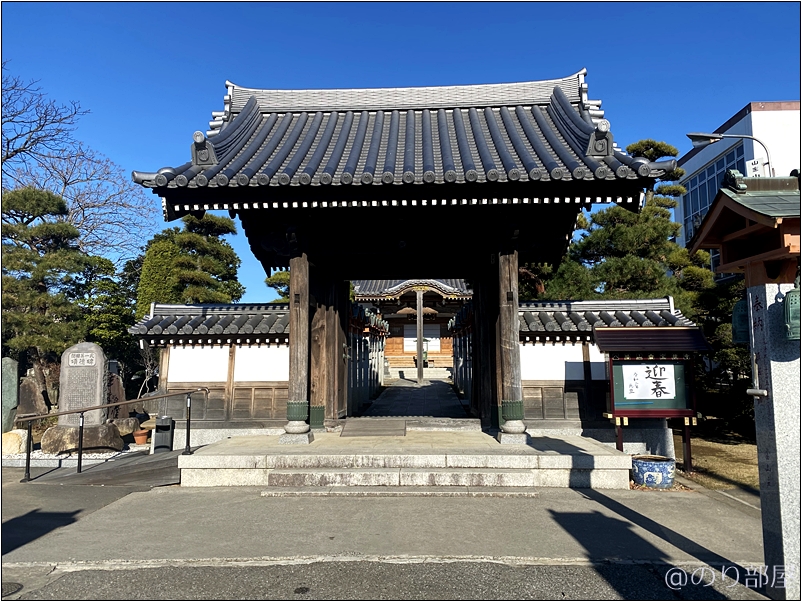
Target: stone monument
(10, 392)
(82, 384)
(30, 402)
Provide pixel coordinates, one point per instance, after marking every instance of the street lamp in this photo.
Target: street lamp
(701, 140)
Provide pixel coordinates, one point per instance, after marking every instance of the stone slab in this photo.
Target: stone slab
(83, 383)
(31, 402)
(582, 479)
(466, 478)
(217, 477)
(333, 477)
(374, 492)
(296, 438)
(10, 396)
(492, 461)
(513, 438)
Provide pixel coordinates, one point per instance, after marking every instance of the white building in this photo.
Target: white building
(775, 124)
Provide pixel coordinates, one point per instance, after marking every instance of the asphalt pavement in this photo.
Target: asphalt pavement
(115, 542)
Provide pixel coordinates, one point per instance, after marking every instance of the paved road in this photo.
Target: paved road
(360, 580)
(174, 543)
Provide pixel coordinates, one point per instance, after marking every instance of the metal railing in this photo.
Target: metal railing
(29, 444)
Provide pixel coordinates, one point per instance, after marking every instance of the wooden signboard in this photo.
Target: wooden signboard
(651, 389)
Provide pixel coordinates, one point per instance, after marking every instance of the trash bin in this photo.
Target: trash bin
(163, 434)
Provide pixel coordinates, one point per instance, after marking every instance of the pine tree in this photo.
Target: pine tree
(192, 265)
(43, 275)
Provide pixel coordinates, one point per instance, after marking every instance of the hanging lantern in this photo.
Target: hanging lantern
(791, 311)
(740, 322)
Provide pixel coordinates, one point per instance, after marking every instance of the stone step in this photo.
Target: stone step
(395, 460)
(406, 477)
(456, 491)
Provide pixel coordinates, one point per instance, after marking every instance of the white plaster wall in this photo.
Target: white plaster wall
(262, 363)
(552, 362)
(779, 130)
(560, 362)
(198, 365)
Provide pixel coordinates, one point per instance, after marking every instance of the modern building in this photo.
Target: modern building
(775, 124)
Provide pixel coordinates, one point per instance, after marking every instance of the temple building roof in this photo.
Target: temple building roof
(365, 290)
(226, 323)
(573, 319)
(535, 131)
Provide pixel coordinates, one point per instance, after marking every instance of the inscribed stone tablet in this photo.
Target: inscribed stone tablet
(82, 384)
(10, 392)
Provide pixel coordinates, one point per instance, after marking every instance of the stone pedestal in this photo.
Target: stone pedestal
(61, 439)
(512, 438)
(10, 392)
(776, 370)
(296, 438)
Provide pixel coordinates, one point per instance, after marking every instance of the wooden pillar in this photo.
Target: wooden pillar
(298, 393)
(322, 356)
(419, 334)
(512, 405)
(484, 397)
(342, 309)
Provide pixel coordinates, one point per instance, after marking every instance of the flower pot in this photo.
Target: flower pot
(653, 471)
(141, 436)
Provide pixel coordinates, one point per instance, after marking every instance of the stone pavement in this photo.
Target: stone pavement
(90, 531)
(434, 398)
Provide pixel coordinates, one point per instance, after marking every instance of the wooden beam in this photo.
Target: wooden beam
(774, 254)
(745, 232)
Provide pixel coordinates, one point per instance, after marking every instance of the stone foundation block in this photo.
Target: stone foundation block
(513, 438)
(583, 479)
(216, 477)
(60, 439)
(296, 438)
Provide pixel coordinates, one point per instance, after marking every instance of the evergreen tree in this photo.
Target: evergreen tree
(622, 254)
(192, 265)
(279, 281)
(43, 275)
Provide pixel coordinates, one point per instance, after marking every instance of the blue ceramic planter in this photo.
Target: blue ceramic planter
(653, 471)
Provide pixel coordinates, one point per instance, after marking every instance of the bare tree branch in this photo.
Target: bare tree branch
(33, 124)
(112, 214)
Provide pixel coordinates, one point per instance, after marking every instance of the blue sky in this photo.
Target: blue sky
(152, 73)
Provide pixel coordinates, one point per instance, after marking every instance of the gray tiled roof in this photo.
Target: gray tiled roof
(226, 323)
(542, 130)
(193, 321)
(579, 317)
(388, 288)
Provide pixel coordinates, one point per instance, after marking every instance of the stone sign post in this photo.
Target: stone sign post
(82, 385)
(776, 379)
(10, 392)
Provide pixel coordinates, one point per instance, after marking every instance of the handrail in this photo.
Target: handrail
(30, 419)
(109, 405)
